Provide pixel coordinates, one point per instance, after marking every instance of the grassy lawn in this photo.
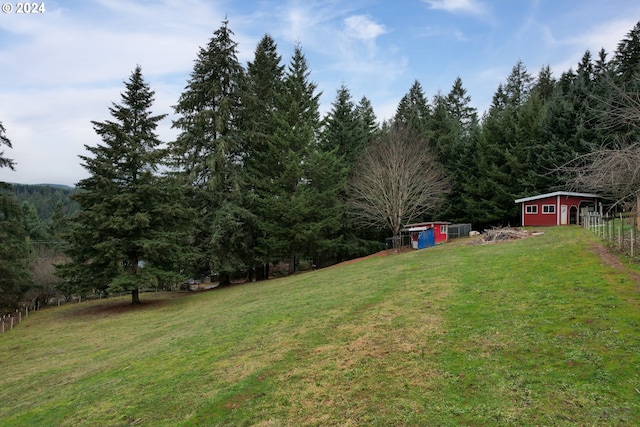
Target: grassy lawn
(533, 332)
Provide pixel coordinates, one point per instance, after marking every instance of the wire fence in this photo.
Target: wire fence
(619, 230)
(459, 230)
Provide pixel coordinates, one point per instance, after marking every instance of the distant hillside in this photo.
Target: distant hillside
(45, 196)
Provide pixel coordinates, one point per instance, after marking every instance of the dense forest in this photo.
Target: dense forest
(44, 198)
(258, 179)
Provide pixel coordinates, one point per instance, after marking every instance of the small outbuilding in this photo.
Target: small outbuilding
(559, 208)
(426, 234)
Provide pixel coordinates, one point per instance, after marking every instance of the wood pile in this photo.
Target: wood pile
(495, 235)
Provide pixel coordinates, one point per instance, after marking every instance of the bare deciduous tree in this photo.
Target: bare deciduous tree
(396, 180)
(613, 170)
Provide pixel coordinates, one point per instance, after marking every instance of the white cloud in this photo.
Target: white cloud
(363, 27)
(472, 7)
(605, 35)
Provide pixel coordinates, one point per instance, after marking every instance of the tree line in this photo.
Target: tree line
(256, 177)
(44, 198)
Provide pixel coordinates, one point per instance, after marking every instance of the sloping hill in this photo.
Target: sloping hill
(533, 332)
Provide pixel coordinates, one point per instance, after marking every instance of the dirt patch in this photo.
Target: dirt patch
(613, 261)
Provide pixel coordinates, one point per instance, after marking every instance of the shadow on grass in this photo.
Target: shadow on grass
(120, 305)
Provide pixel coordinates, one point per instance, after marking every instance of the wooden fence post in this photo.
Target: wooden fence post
(633, 234)
(619, 236)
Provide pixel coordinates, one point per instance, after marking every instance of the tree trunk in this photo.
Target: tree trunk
(292, 262)
(135, 297)
(259, 272)
(397, 242)
(224, 279)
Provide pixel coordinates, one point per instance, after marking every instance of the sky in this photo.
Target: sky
(63, 67)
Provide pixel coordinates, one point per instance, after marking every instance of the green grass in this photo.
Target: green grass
(533, 332)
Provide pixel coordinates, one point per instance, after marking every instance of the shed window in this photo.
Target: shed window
(531, 209)
(548, 209)
(443, 229)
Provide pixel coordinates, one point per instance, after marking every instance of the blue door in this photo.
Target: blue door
(431, 237)
(426, 239)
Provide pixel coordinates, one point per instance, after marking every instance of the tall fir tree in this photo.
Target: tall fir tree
(626, 59)
(619, 91)
(5, 162)
(457, 124)
(414, 111)
(264, 85)
(459, 105)
(207, 153)
(500, 154)
(129, 232)
(34, 228)
(346, 131)
(287, 199)
(15, 278)
(342, 129)
(58, 225)
(446, 133)
(367, 118)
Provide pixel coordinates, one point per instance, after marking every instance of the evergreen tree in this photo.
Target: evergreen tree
(260, 99)
(446, 131)
(31, 222)
(208, 155)
(518, 86)
(4, 140)
(459, 106)
(59, 224)
(367, 118)
(264, 85)
(501, 154)
(601, 67)
(414, 111)
(618, 91)
(128, 234)
(626, 60)
(342, 129)
(544, 85)
(288, 203)
(15, 278)
(455, 124)
(346, 131)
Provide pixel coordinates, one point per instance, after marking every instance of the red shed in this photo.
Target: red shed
(559, 208)
(440, 231)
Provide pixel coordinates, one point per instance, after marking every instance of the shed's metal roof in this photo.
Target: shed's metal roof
(557, 193)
